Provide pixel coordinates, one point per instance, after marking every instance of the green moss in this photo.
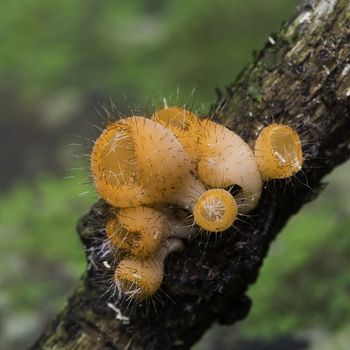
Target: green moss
(254, 91)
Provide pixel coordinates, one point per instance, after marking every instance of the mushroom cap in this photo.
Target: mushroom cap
(148, 224)
(278, 152)
(215, 211)
(139, 278)
(114, 167)
(137, 161)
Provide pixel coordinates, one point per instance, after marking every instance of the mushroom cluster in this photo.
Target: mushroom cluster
(150, 170)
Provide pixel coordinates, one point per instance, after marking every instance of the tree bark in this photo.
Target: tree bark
(302, 78)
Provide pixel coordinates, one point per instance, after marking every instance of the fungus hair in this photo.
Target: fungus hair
(215, 210)
(278, 152)
(141, 279)
(226, 160)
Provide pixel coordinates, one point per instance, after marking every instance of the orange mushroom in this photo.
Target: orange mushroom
(278, 152)
(140, 279)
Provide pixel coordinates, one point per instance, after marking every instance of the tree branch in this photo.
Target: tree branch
(302, 78)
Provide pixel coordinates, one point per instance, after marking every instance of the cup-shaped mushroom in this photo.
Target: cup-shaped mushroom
(216, 210)
(278, 152)
(137, 161)
(140, 231)
(140, 279)
(184, 124)
(114, 166)
(226, 160)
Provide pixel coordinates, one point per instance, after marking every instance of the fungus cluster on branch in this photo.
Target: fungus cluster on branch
(153, 170)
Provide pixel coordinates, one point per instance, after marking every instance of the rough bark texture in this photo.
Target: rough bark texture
(301, 77)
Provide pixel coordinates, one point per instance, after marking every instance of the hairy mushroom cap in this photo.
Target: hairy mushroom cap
(215, 211)
(226, 160)
(138, 230)
(137, 161)
(278, 152)
(114, 166)
(140, 279)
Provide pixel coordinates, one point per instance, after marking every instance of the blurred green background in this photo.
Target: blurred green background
(61, 61)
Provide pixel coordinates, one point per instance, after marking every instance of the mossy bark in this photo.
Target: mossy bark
(302, 78)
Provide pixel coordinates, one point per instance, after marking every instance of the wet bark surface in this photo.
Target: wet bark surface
(301, 78)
